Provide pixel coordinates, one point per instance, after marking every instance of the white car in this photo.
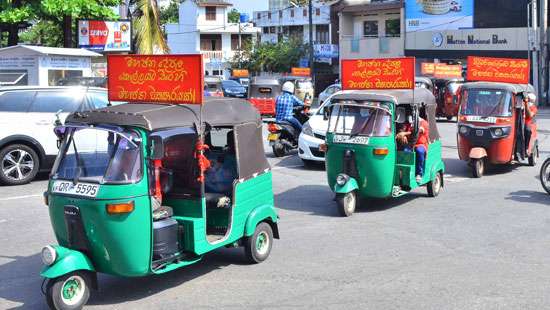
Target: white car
(27, 116)
(313, 134)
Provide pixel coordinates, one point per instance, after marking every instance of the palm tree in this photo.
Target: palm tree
(150, 36)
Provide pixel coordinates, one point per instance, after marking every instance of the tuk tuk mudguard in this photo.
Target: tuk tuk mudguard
(477, 153)
(350, 186)
(67, 261)
(261, 214)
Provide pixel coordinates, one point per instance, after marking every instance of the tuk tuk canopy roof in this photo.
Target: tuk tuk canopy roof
(420, 96)
(216, 112)
(265, 81)
(514, 88)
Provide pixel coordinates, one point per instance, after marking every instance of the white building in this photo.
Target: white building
(203, 27)
(371, 29)
(283, 21)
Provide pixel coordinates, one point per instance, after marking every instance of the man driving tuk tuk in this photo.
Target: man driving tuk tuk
(497, 125)
(138, 199)
(363, 155)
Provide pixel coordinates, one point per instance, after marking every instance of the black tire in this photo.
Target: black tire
(449, 118)
(279, 150)
(545, 175)
(478, 167)
(59, 289)
(347, 203)
(258, 246)
(435, 185)
(19, 164)
(534, 156)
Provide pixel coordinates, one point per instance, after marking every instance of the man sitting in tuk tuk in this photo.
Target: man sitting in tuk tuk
(284, 107)
(421, 146)
(219, 178)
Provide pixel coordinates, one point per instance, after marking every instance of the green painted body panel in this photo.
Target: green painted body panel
(350, 186)
(375, 172)
(67, 261)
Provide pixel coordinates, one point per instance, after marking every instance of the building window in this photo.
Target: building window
(259, 16)
(305, 12)
(265, 30)
(292, 13)
(393, 28)
(211, 42)
(318, 11)
(268, 15)
(370, 28)
(245, 40)
(210, 12)
(321, 34)
(280, 13)
(272, 29)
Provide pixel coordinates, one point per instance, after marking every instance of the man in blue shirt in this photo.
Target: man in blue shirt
(285, 104)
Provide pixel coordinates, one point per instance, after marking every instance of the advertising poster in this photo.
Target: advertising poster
(506, 70)
(105, 36)
(389, 73)
(300, 71)
(156, 78)
(444, 71)
(427, 68)
(431, 15)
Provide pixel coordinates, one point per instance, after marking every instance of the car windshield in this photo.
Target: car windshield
(486, 102)
(98, 155)
(372, 120)
(231, 83)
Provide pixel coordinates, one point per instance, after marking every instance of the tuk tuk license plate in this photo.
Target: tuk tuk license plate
(347, 139)
(78, 189)
(272, 137)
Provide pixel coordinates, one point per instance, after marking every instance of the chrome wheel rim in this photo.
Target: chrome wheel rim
(17, 165)
(72, 290)
(262, 243)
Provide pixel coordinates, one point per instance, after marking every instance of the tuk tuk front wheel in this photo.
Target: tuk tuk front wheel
(434, 187)
(478, 167)
(258, 246)
(279, 149)
(347, 203)
(534, 156)
(70, 291)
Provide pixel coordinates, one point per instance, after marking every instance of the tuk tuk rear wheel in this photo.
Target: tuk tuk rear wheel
(434, 187)
(478, 167)
(279, 150)
(258, 246)
(545, 175)
(70, 291)
(347, 203)
(534, 156)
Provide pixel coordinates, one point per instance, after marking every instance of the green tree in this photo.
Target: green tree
(45, 33)
(233, 16)
(269, 57)
(170, 14)
(149, 33)
(14, 15)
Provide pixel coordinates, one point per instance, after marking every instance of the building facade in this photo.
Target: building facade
(371, 29)
(204, 28)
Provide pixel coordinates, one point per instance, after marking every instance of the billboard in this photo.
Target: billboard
(445, 71)
(105, 36)
(388, 73)
(155, 78)
(506, 70)
(300, 71)
(433, 15)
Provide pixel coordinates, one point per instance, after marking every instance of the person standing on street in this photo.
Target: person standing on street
(284, 106)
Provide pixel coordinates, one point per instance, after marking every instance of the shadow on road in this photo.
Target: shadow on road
(314, 199)
(530, 197)
(20, 281)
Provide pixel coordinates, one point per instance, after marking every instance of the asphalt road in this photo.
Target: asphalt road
(482, 244)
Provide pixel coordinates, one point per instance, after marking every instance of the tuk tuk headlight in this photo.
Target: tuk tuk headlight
(342, 179)
(48, 255)
(463, 130)
(498, 132)
(307, 130)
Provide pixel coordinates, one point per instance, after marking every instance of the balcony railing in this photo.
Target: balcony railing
(209, 55)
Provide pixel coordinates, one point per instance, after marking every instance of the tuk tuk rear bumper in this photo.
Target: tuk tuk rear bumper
(66, 261)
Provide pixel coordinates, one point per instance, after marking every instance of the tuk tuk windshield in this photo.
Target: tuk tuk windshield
(365, 120)
(99, 155)
(486, 102)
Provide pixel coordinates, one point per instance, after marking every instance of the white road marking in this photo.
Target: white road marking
(20, 197)
(284, 167)
(3, 221)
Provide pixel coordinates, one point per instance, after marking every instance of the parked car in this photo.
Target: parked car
(329, 91)
(231, 88)
(84, 81)
(27, 116)
(244, 81)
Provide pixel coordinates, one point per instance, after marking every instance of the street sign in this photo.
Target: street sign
(445, 71)
(506, 70)
(388, 73)
(155, 78)
(300, 71)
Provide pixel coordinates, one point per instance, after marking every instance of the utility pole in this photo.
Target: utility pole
(240, 48)
(311, 59)
(534, 47)
(543, 52)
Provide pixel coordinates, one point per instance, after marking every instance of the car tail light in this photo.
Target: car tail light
(272, 127)
(120, 208)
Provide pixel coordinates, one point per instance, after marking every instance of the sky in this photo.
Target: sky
(249, 6)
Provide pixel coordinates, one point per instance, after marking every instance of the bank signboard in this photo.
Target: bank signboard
(105, 36)
(430, 15)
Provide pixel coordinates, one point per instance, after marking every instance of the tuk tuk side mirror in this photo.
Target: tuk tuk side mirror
(157, 148)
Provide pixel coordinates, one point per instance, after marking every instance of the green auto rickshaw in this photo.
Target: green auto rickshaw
(142, 189)
(363, 158)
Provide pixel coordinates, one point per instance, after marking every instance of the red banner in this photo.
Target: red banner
(506, 70)
(156, 78)
(389, 73)
(300, 71)
(427, 68)
(444, 71)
